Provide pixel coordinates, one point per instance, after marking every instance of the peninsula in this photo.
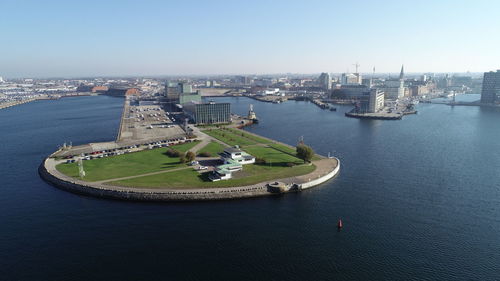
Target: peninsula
(157, 158)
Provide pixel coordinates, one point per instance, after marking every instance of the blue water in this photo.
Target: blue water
(420, 200)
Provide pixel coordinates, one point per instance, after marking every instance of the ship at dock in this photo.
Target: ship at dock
(252, 116)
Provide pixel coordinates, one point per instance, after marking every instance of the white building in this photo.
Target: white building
(271, 91)
(232, 154)
(376, 102)
(233, 159)
(350, 79)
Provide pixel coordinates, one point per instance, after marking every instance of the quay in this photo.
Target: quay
(42, 97)
(380, 115)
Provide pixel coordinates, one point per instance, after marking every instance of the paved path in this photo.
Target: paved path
(143, 175)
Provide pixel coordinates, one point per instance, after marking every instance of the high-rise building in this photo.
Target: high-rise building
(181, 93)
(325, 81)
(491, 87)
(172, 91)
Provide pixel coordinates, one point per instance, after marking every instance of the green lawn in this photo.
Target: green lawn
(131, 164)
(249, 136)
(213, 148)
(189, 178)
(229, 137)
(289, 150)
(272, 156)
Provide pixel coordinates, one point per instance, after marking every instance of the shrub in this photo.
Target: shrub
(205, 154)
(173, 153)
(182, 158)
(190, 156)
(259, 160)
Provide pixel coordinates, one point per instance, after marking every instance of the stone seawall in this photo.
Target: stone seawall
(322, 179)
(143, 194)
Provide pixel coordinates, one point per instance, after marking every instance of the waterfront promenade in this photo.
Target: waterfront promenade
(326, 169)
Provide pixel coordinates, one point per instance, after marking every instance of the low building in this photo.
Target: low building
(270, 91)
(208, 113)
(99, 89)
(232, 154)
(233, 159)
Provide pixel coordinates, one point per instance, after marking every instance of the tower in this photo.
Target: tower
(402, 73)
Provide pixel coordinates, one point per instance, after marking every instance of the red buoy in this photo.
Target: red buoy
(339, 224)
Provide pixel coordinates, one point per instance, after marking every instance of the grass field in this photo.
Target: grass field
(189, 178)
(131, 164)
(289, 150)
(229, 137)
(213, 148)
(249, 136)
(272, 156)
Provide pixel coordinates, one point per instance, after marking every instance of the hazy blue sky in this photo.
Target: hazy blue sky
(76, 38)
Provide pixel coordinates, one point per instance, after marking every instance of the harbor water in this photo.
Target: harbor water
(419, 199)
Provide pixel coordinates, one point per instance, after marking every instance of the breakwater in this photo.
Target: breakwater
(326, 170)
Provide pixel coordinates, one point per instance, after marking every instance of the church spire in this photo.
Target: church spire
(402, 74)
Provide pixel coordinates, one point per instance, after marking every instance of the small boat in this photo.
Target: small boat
(339, 224)
(333, 109)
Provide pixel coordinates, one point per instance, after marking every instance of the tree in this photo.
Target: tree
(182, 158)
(304, 152)
(190, 156)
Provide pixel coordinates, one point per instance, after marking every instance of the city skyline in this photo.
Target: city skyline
(127, 38)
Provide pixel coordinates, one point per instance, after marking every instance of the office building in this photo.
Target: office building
(325, 81)
(350, 79)
(208, 113)
(371, 101)
(350, 91)
(189, 97)
(491, 87)
(181, 93)
(172, 91)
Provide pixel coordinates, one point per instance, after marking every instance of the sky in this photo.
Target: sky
(144, 38)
